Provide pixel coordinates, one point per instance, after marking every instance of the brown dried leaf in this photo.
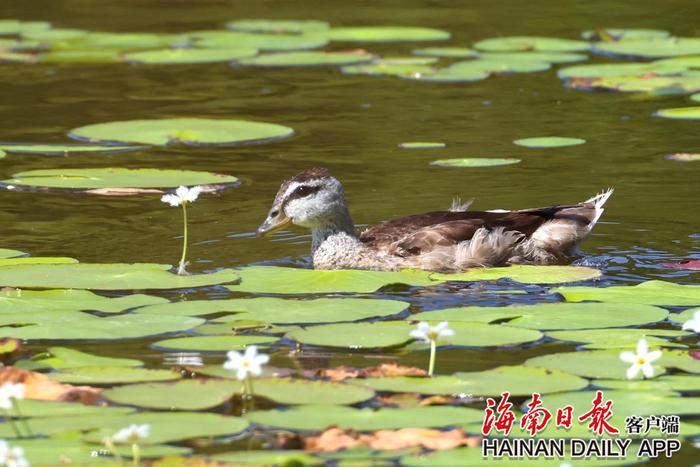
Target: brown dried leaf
(39, 386)
(342, 373)
(334, 439)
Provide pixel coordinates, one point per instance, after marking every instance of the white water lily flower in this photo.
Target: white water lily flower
(641, 361)
(693, 324)
(12, 456)
(426, 333)
(132, 434)
(182, 195)
(250, 362)
(8, 393)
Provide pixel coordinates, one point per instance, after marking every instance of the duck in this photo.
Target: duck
(453, 240)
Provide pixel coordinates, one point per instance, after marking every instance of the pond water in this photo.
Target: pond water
(353, 126)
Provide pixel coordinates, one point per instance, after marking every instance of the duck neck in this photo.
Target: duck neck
(341, 223)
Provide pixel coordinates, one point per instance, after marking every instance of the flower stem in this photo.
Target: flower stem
(250, 397)
(136, 453)
(433, 349)
(14, 427)
(109, 444)
(22, 420)
(181, 270)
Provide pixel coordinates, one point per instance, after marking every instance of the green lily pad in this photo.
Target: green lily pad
(299, 391)
(277, 25)
(65, 149)
(531, 43)
(285, 59)
(116, 276)
(2, 153)
(607, 70)
(64, 358)
(684, 316)
(318, 417)
(62, 299)
(647, 293)
(695, 97)
(604, 364)
(269, 457)
(76, 325)
(385, 34)
(14, 27)
(91, 375)
(680, 113)
(27, 260)
(422, 145)
(56, 451)
(475, 162)
(44, 408)
(186, 394)
(123, 41)
(8, 253)
(185, 56)
(500, 64)
(525, 274)
(627, 403)
(547, 57)
(116, 178)
(548, 316)
(683, 157)
(81, 56)
(474, 334)
(54, 35)
(667, 383)
(193, 131)
(650, 48)
(272, 279)
(388, 68)
(267, 42)
(618, 338)
(285, 311)
(549, 142)
(447, 52)
(619, 34)
(354, 335)
(452, 75)
(212, 343)
(656, 86)
(518, 380)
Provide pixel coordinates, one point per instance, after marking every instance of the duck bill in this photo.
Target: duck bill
(272, 224)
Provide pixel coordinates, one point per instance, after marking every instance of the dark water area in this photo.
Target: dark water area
(352, 125)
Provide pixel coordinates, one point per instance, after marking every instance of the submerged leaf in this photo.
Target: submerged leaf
(549, 142)
(474, 162)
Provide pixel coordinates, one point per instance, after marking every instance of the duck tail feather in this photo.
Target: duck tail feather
(598, 201)
(459, 206)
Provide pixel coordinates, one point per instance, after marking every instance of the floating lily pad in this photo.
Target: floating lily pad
(285, 59)
(590, 364)
(14, 27)
(285, 311)
(388, 68)
(27, 260)
(680, 113)
(618, 338)
(474, 334)
(422, 145)
(695, 97)
(385, 34)
(45, 300)
(265, 457)
(91, 375)
(76, 325)
(525, 274)
(547, 57)
(668, 383)
(318, 417)
(452, 75)
(56, 451)
(656, 86)
(8, 253)
(63, 358)
(475, 162)
(212, 343)
(186, 394)
(299, 391)
(116, 178)
(620, 34)
(267, 42)
(683, 157)
(546, 316)
(447, 52)
(2, 153)
(650, 48)
(194, 131)
(606, 70)
(81, 56)
(277, 25)
(184, 56)
(123, 41)
(549, 142)
(271, 279)
(500, 64)
(647, 293)
(684, 316)
(45, 408)
(117, 276)
(627, 403)
(65, 149)
(531, 43)
(49, 36)
(355, 335)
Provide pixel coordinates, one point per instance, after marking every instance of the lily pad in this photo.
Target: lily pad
(92, 375)
(683, 157)
(76, 325)
(474, 334)
(422, 145)
(604, 364)
(185, 56)
(547, 57)
(647, 293)
(116, 178)
(277, 25)
(452, 75)
(2, 153)
(285, 311)
(62, 299)
(47, 36)
(290, 391)
(65, 149)
(27, 260)
(695, 97)
(318, 417)
(354, 335)
(272, 279)
(63, 358)
(496, 63)
(81, 56)
(447, 52)
(549, 142)
(618, 338)
(620, 34)
(8, 253)
(388, 68)
(525, 274)
(668, 383)
(548, 316)
(606, 70)
(650, 48)
(475, 162)
(123, 41)
(212, 343)
(267, 42)
(626, 403)
(288, 59)
(44, 408)
(116, 276)
(385, 34)
(186, 394)
(56, 451)
(683, 316)
(268, 457)
(531, 43)
(193, 131)
(680, 113)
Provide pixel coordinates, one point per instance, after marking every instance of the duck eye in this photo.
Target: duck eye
(302, 190)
